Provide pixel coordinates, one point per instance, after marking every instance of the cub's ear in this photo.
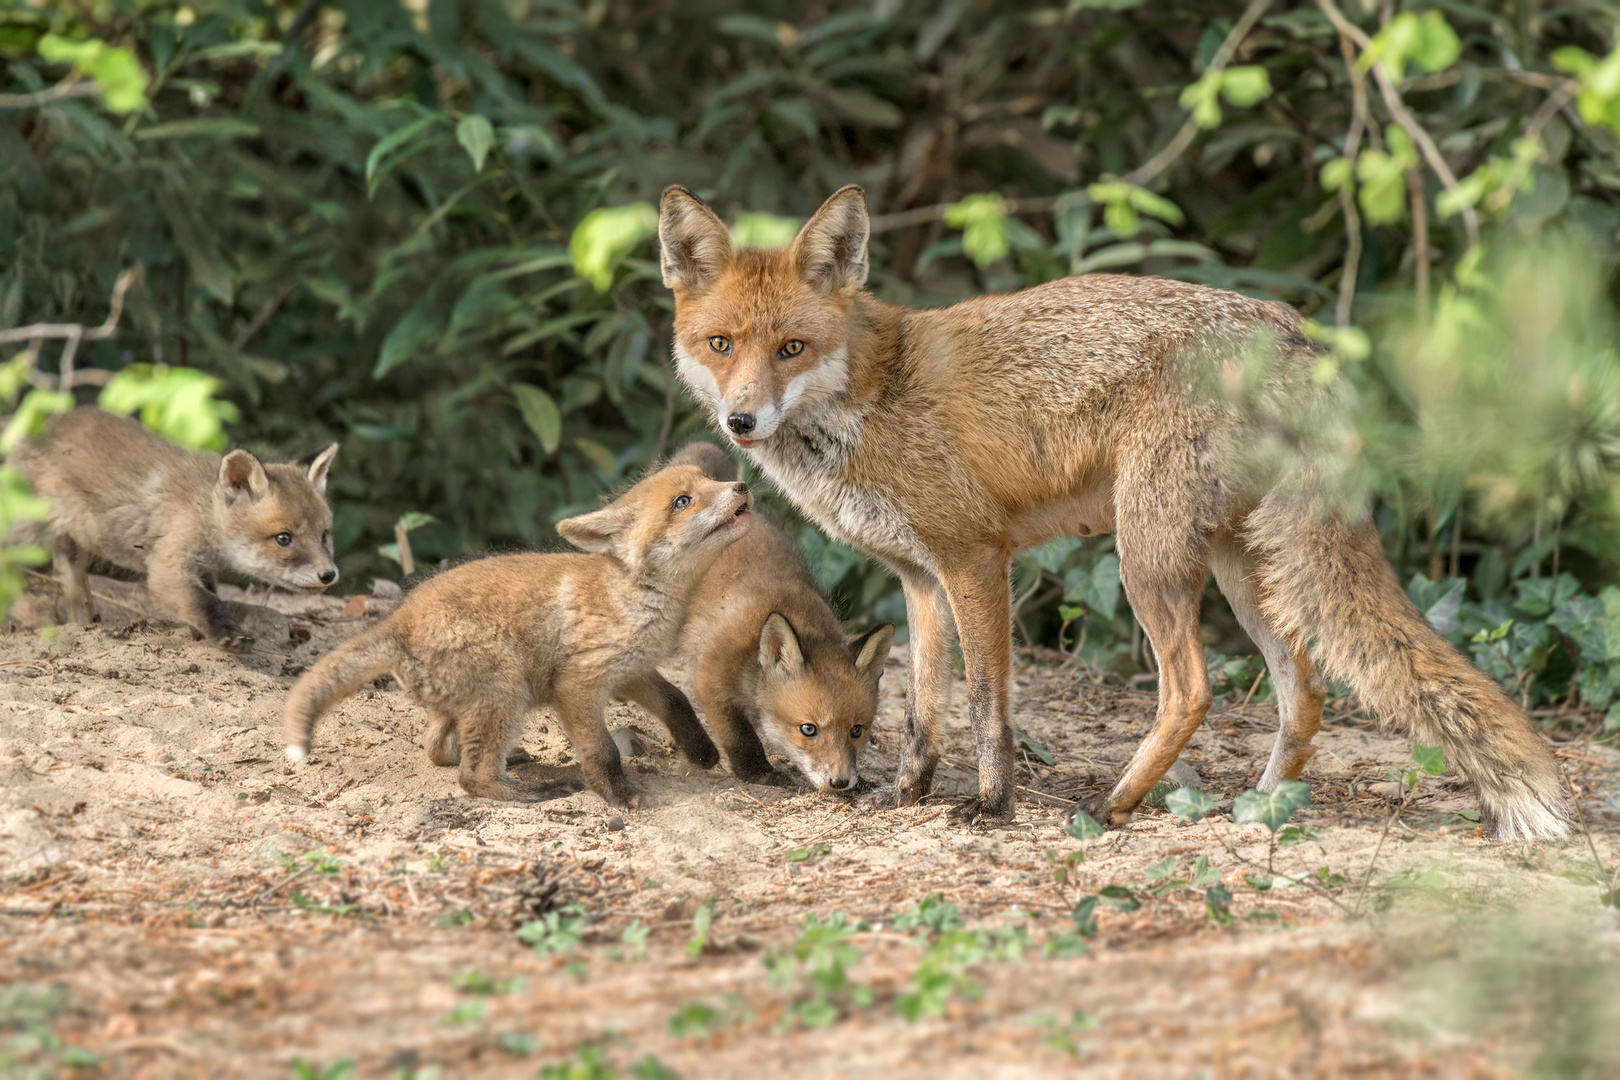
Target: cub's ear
(317, 465)
(870, 650)
(598, 532)
(695, 244)
(830, 251)
(779, 652)
(242, 477)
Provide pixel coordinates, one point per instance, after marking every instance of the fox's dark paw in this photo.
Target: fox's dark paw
(235, 641)
(781, 778)
(976, 810)
(517, 756)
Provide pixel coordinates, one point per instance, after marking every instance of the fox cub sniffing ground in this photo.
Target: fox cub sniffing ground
(123, 497)
(480, 645)
(944, 441)
(769, 658)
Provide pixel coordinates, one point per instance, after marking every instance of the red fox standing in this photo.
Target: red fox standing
(942, 442)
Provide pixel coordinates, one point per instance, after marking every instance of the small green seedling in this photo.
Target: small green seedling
(1083, 826)
(934, 913)
(588, 1064)
(702, 919)
(1190, 803)
(559, 931)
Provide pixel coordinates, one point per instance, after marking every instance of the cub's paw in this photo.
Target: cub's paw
(517, 756)
(235, 641)
(876, 797)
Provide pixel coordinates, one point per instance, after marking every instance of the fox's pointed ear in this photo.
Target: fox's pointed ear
(779, 648)
(598, 532)
(317, 465)
(695, 245)
(870, 650)
(830, 250)
(242, 477)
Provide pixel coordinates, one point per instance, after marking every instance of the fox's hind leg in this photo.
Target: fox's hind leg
(72, 565)
(664, 700)
(1300, 688)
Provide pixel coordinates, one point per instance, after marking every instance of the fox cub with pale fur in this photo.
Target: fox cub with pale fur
(769, 658)
(944, 441)
(121, 497)
(482, 644)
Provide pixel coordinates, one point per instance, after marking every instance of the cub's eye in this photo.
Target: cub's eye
(855, 732)
(792, 348)
(808, 730)
(284, 539)
(720, 344)
(682, 501)
(326, 537)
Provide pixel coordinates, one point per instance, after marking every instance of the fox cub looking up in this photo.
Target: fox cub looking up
(769, 657)
(481, 644)
(123, 497)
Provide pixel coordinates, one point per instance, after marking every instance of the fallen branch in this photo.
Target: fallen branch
(71, 88)
(36, 333)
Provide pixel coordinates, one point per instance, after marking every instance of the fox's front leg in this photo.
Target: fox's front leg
(933, 642)
(981, 600)
(581, 705)
(177, 587)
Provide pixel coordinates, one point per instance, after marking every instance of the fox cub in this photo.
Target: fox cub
(769, 658)
(122, 497)
(480, 645)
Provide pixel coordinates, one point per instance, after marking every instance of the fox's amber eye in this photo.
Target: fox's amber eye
(792, 348)
(855, 732)
(284, 539)
(682, 501)
(720, 344)
(808, 730)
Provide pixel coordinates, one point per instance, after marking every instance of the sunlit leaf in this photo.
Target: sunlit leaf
(540, 413)
(1272, 809)
(607, 235)
(476, 135)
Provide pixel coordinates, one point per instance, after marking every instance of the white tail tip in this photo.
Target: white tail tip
(296, 753)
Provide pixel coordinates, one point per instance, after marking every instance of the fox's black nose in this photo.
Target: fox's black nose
(839, 783)
(741, 423)
(740, 488)
(328, 576)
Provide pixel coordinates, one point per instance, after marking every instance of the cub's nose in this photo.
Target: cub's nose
(740, 488)
(839, 783)
(328, 576)
(741, 423)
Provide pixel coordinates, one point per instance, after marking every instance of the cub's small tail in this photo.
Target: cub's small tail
(715, 462)
(1327, 580)
(335, 676)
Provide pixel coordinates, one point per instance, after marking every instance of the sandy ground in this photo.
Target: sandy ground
(180, 901)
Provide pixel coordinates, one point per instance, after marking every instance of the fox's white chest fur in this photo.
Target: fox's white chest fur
(808, 457)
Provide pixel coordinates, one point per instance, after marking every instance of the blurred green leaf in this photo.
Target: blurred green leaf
(607, 235)
(476, 135)
(540, 414)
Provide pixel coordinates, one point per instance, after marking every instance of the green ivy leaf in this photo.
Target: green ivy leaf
(1118, 897)
(758, 230)
(1431, 759)
(1083, 827)
(540, 413)
(1085, 917)
(1246, 85)
(1189, 803)
(1274, 809)
(983, 221)
(1202, 99)
(1426, 40)
(176, 402)
(476, 135)
(116, 71)
(605, 236)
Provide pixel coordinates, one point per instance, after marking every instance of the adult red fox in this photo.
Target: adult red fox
(944, 441)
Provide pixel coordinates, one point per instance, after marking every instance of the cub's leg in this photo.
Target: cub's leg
(664, 700)
(72, 565)
(178, 588)
(580, 702)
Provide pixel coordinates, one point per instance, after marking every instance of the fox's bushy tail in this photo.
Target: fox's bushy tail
(715, 462)
(1326, 579)
(335, 676)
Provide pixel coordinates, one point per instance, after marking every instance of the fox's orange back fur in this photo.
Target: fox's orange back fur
(769, 658)
(944, 441)
(481, 644)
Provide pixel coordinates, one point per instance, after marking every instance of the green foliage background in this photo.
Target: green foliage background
(359, 217)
